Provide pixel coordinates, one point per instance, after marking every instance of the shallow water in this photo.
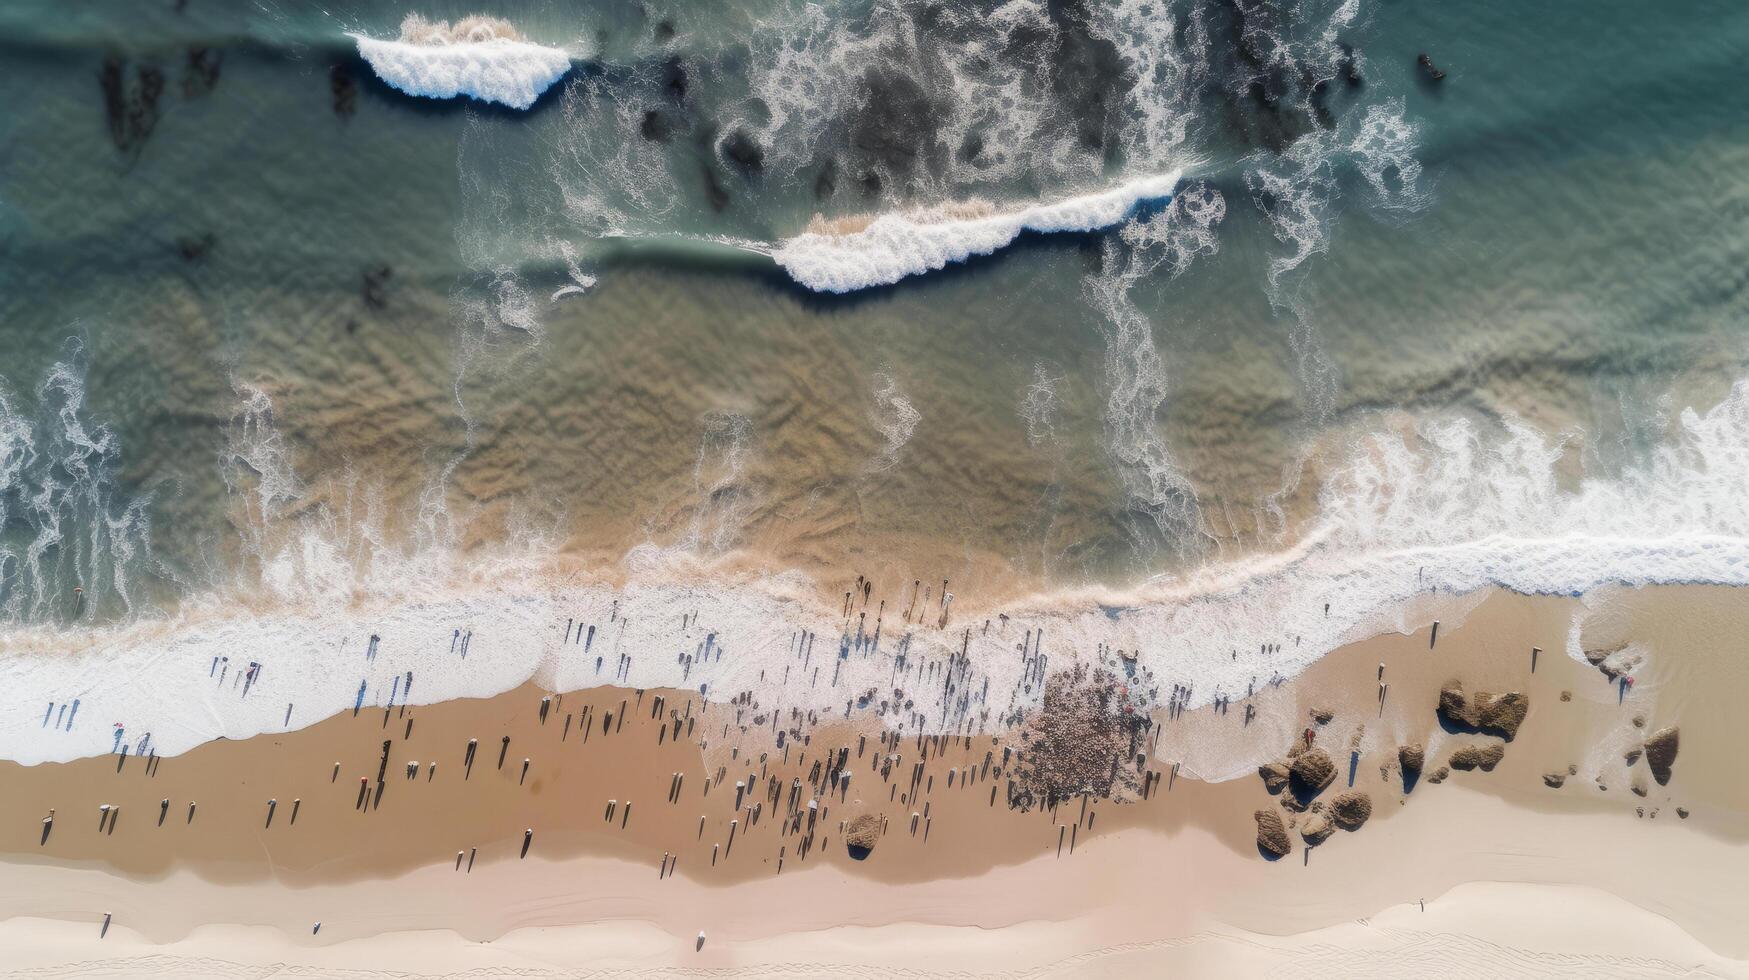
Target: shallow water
(286, 335)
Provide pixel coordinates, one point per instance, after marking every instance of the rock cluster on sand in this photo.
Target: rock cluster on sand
(1272, 835)
(1499, 714)
(1439, 775)
(1316, 830)
(862, 835)
(1351, 809)
(1274, 776)
(1311, 771)
(1483, 757)
(1661, 753)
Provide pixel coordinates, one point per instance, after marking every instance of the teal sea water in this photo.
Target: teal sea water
(276, 333)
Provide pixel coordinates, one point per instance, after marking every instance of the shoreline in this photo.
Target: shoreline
(1219, 634)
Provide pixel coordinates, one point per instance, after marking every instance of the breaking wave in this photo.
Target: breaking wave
(848, 254)
(480, 57)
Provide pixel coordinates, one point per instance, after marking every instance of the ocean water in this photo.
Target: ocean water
(1143, 326)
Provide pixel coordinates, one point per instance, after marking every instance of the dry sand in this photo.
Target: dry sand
(1589, 879)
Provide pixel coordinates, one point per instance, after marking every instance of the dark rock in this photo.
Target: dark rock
(1411, 758)
(674, 80)
(1494, 714)
(827, 182)
(1427, 65)
(1311, 772)
(1554, 780)
(1483, 757)
(655, 127)
(713, 188)
(1272, 835)
(1350, 810)
(193, 248)
(343, 90)
(899, 122)
(862, 835)
(1661, 753)
(132, 110)
(744, 151)
(1682, 812)
(201, 72)
(376, 282)
(1321, 716)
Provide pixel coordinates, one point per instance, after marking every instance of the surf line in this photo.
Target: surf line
(847, 254)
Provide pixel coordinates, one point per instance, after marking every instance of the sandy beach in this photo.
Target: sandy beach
(630, 854)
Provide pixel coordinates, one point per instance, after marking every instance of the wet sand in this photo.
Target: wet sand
(1175, 880)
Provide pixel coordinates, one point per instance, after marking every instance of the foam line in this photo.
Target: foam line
(899, 244)
(509, 72)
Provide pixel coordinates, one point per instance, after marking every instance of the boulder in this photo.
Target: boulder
(1503, 712)
(1439, 775)
(1411, 758)
(1316, 830)
(1274, 776)
(1483, 757)
(862, 835)
(1453, 705)
(1554, 780)
(1311, 772)
(1350, 810)
(1498, 714)
(1661, 753)
(1272, 835)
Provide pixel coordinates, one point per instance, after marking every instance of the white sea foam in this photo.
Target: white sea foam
(895, 417)
(1443, 507)
(478, 57)
(900, 244)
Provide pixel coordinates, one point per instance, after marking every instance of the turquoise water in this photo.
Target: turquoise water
(288, 297)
